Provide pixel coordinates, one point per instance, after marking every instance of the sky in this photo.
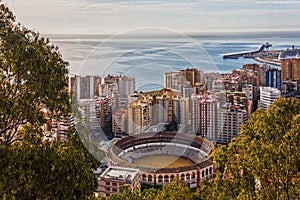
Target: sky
(190, 16)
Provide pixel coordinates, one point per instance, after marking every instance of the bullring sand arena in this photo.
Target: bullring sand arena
(162, 156)
(162, 161)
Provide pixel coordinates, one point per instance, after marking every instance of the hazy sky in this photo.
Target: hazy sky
(113, 16)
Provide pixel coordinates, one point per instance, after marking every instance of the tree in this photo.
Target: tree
(173, 125)
(177, 189)
(263, 163)
(33, 76)
(47, 170)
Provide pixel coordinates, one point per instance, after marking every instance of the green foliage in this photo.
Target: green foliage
(45, 170)
(173, 125)
(264, 162)
(177, 189)
(33, 76)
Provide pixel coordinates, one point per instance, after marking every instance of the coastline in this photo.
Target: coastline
(263, 60)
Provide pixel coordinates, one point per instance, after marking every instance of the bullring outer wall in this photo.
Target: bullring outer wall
(192, 175)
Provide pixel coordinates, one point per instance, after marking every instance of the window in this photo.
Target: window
(188, 176)
(107, 183)
(107, 189)
(149, 178)
(166, 179)
(160, 178)
(114, 190)
(193, 175)
(114, 184)
(144, 177)
(182, 177)
(171, 177)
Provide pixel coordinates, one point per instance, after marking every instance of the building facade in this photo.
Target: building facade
(120, 122)
(273, 78)
(290, 64)
(59, 128)
(96, 113)
(118, 87)
(183, 81)
(267, 96)
(139, 116)
(205, 117)
(111, 180)
(230, 120)
(85, 87)
(192, 75)
(168, 107)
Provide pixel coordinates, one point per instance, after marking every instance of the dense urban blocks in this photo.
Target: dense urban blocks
(189, 157)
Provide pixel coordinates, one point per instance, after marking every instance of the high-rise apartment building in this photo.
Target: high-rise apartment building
(172, 80)
(250, 98)
(104, 111)
(168, 107)
(118, 87)
(89, 113)
(290, 64)
(267, 96)
(273, 78)
(192, 75)
(59, 128)
(126, 88)
(183, 80)
(205, 117)
(262, 74)
(230, 120)
(96, 113)
(120, 122)
(139, 116)
(85, 87)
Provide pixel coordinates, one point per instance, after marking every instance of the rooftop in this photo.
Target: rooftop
(120, 173)
(289, 54)
(270, 90)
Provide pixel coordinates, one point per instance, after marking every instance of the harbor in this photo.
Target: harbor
(246, 53)
(260, 55)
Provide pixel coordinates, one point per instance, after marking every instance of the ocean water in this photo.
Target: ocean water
(148, 56)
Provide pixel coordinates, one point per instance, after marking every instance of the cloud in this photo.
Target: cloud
(278, 2)
(92, 15)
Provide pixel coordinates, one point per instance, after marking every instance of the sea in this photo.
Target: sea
(147, 56)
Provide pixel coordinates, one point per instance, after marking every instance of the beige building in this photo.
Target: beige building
(230, 120)
(193, 75)
(167, 107)
(290, 64)
(110, 181)
(120, 122)
(173, 80)
(183, 80)
(139, 116)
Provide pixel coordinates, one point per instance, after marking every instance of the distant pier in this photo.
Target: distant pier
(245, 53)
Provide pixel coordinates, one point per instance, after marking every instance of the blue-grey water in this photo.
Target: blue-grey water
(148, 57)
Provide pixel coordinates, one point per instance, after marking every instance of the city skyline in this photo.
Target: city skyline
(112, 16)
